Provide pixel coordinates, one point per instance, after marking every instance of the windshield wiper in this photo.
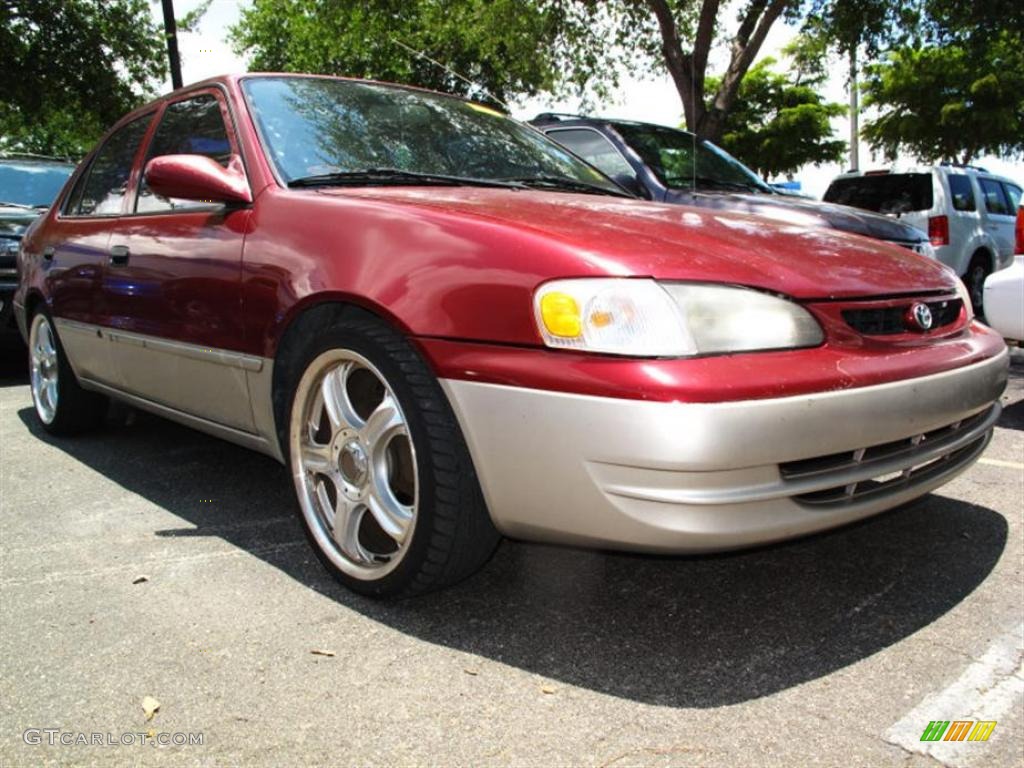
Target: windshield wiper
(394, 176)
(708, 181)
(567, 184)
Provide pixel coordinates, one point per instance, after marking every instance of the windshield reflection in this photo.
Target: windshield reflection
(315, 127)
(682, 161)
(32, 184)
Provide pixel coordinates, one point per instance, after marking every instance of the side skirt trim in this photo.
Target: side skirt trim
(232, 435)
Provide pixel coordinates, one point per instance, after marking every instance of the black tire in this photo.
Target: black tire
(974, 279)
(452, 535)
(76, 410)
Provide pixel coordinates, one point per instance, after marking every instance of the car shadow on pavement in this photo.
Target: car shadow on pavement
(676, 631)
(13, 362)
(1012, 416)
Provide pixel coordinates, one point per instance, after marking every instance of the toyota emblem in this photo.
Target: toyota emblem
(920, 316)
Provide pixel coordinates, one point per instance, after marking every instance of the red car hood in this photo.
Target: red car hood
(674, 242)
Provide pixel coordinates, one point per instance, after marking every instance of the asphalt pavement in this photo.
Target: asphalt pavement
(155, 585)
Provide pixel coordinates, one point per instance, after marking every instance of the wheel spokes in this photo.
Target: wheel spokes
(384, 419)
(343, 518)
(355, 458)
(317, 459)
(337, 404)
(50, 387)
(47, 342)
(43, 369)
(394, 518)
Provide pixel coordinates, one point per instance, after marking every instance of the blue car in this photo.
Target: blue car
(28, 184)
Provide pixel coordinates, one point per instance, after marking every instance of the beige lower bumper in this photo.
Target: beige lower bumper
(688, 477)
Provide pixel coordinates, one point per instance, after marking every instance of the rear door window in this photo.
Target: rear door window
(961, 192)
(995, 198)
(101, 190)
(1014, 193)
(595, 149)
(194, 126)
(885, 193)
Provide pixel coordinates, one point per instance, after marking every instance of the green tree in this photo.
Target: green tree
(950, 102)
(497, 46)
(72, 67)
(971, 22)
(868, 25)
(513, 48)
(779, 122)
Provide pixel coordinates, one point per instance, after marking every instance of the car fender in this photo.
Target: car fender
(979, 240)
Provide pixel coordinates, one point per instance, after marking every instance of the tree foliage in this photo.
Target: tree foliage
(515, 48)
(950, 102)
(72, 67)
(780, 122)
(496, 47)
(973, 23)
(868, 25)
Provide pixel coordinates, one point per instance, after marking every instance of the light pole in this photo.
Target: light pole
(171, 32)
(854, 112)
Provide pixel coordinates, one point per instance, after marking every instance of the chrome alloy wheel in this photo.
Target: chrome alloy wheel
(44, 368)
(354, 464)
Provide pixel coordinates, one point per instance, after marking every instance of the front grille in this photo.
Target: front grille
(842, 478)
(886, 321)
(8, 258)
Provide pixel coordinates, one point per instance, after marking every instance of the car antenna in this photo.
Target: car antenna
(451, 72)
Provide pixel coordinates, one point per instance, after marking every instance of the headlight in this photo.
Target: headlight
(644, 318)
(965, 297)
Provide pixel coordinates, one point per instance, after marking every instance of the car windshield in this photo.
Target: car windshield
(883, 193)
(325, 131)
(682, 161)
(31, 184)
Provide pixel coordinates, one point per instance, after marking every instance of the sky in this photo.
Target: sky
(205, 53)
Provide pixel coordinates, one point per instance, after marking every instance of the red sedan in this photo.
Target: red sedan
(449, 327)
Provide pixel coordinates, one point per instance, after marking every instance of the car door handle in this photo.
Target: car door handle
(48, 253)
(119, 255)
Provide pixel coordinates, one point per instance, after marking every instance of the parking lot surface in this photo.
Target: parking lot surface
(152, 561)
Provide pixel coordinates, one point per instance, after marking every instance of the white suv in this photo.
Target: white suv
(968, 213)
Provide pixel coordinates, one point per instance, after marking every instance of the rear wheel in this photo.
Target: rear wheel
(62, 406)
(385, 484)
(977, 271)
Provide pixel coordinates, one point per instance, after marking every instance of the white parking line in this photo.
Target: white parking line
(1001, 463)
(987, 690)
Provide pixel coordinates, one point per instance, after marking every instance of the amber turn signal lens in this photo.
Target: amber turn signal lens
(561, 314)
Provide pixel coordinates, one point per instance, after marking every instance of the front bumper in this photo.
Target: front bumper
(691, 477)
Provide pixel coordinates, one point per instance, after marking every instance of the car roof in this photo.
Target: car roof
(947, 168)
(236, 78)
(546, 121)
(28, 158)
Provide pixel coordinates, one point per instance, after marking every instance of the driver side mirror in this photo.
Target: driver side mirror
(197, 177)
